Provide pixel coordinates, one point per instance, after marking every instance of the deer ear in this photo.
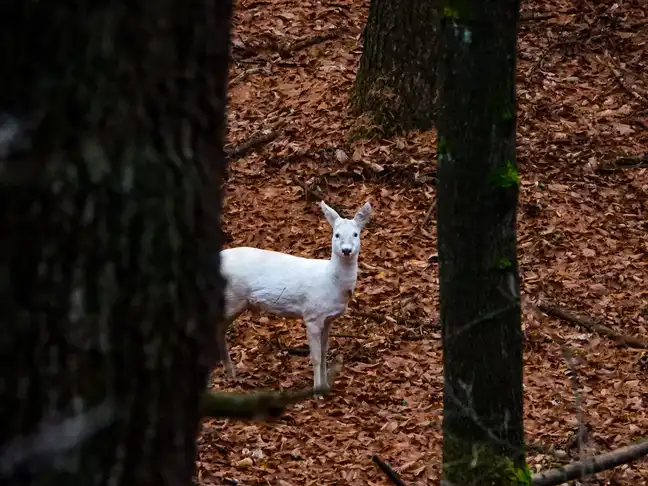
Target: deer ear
(329, 213)
(363, 216)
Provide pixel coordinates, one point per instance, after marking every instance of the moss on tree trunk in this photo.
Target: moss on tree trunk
(479, 286)
(396, 81)
(111, 124)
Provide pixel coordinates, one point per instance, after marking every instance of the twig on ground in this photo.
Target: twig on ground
(243, 74)
(397, 319)
(531, 16)
(428, 215)
(389, 472)
(300, 44)
(556, 311)
(622, 163)
(253, 142)
(591, 465)
(344, 335)
(262, 404)
(621, 80)
(316, 195)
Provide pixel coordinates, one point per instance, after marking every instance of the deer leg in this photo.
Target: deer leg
(324, 350)
(223, 349)
(314, 333)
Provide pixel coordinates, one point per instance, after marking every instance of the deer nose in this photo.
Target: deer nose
(346, 251)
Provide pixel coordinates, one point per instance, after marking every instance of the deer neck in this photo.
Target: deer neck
(344, 271)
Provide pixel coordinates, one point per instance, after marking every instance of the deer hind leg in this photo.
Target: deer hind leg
(234, 306)
(223, 349)
(324, 350)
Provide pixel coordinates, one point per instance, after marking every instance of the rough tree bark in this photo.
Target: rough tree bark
(111, 136)
(396, 79)
(477, 188)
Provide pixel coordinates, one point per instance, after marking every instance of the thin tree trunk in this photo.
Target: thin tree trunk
(111, 155)
(479, 287)
(396, 79)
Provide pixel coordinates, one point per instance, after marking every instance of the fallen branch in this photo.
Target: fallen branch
(316, 195)
(389, 472)
(298, 45)
(588, 323)
(591, 465)
(251, 143)
(624, 162)
(261, 404)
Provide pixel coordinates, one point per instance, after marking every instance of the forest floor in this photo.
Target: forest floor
(583, 226)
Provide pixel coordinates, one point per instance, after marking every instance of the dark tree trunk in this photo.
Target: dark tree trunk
(478, 187)
(111, 155)
(396, 79)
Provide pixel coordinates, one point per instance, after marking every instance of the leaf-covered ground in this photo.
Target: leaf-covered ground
(583, 242)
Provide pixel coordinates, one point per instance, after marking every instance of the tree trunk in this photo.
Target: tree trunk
(477, 188)
(396, 80)
(111, 155)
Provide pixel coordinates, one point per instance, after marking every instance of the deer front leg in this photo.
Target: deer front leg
(324, 350)
(314, 333)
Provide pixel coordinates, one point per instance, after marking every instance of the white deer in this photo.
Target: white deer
(315, 290)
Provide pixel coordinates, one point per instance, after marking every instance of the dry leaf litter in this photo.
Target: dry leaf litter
(583, 242)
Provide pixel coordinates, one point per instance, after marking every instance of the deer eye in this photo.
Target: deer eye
(355, 235)
(337, 235)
